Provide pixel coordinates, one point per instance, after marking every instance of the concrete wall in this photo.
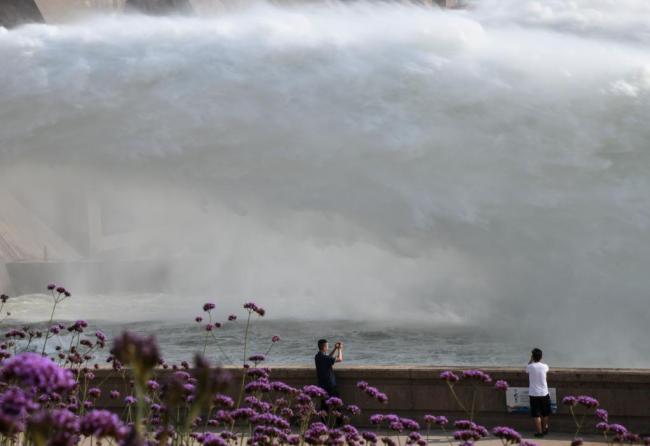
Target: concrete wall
(415, 391)
(17, 12)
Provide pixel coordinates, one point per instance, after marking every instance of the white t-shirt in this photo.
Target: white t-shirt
(537, 379)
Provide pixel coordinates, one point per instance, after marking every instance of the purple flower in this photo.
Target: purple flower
(334, 402)
(370, 437)
(51, 286)
(353, 409)
(362, 385)
(132, 349)
(478, 375)
(232, 317)
(506, 434)
(209, 327)
(618, 429)
(59, 426)
(34, 370)
(449, 376)
(198, 319)
(207, 307)
(114, 394)
(4, 298)
(376, 419)
(602, 426)
(466, 435)
(314, 391)
(569, 400)
(257, 358)
(210, 439)
(15, 405)
(602, 415)
(501, 385)
(275, 339)
(587, 401)
(94, 392)
(130, 400)
(102, 423)
(100, 336)
(153, 385)
(223, 400)
(409, 424)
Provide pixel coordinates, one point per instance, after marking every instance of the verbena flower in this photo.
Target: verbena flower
(409, 424)
(334, 402)
(275, 339)
(376, 419)
(449, 376)
(501, 385)
(15, 406)
(59, 426)
(618, 429)
(34, 370)
(602, 415)
(208, 307)
(466, 435)
(353, 409)
(130, 348)
(314, 391)
(569, 400)
(102, 423)
(587, 401)
(232, 317)
(210, 439)
(507, 434)
(478, 375)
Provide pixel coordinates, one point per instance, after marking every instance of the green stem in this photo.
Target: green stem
(49, 324)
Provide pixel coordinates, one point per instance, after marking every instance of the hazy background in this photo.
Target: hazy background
(394, 164)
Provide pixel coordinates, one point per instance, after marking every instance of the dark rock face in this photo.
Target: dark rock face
(17, 12)
(158, 7)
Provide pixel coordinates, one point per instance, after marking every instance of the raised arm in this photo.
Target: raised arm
(339, 356)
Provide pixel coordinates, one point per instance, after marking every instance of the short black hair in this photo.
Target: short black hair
(537, 354)
(321, 343)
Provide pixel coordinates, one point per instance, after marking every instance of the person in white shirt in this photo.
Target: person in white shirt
(540, 400)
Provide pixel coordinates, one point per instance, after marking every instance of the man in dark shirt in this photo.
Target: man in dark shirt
(324, 362)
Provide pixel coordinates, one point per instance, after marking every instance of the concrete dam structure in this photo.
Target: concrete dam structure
(17, 12)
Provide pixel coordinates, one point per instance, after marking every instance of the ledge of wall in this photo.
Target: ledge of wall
(415, 391)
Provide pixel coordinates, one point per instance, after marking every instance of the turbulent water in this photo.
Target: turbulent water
(483, 168)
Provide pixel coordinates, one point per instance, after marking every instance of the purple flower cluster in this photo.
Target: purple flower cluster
(31, 370)
(136, 350)
(372, 392)
(477, 375)
(507, 434)
(102, 423)
(587, 401)
(449, 376)
(209, 306)
(440, 420)
(253, 308)
(501, 385)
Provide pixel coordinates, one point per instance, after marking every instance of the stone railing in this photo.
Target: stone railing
(415, 391)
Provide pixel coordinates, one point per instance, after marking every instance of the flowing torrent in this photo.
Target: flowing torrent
(397, 164)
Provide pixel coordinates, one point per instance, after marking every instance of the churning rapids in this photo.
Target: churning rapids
(484, 170)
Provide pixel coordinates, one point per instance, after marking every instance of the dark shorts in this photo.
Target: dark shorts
(540, 406)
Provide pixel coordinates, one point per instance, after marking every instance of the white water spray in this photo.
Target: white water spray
(362, 160)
